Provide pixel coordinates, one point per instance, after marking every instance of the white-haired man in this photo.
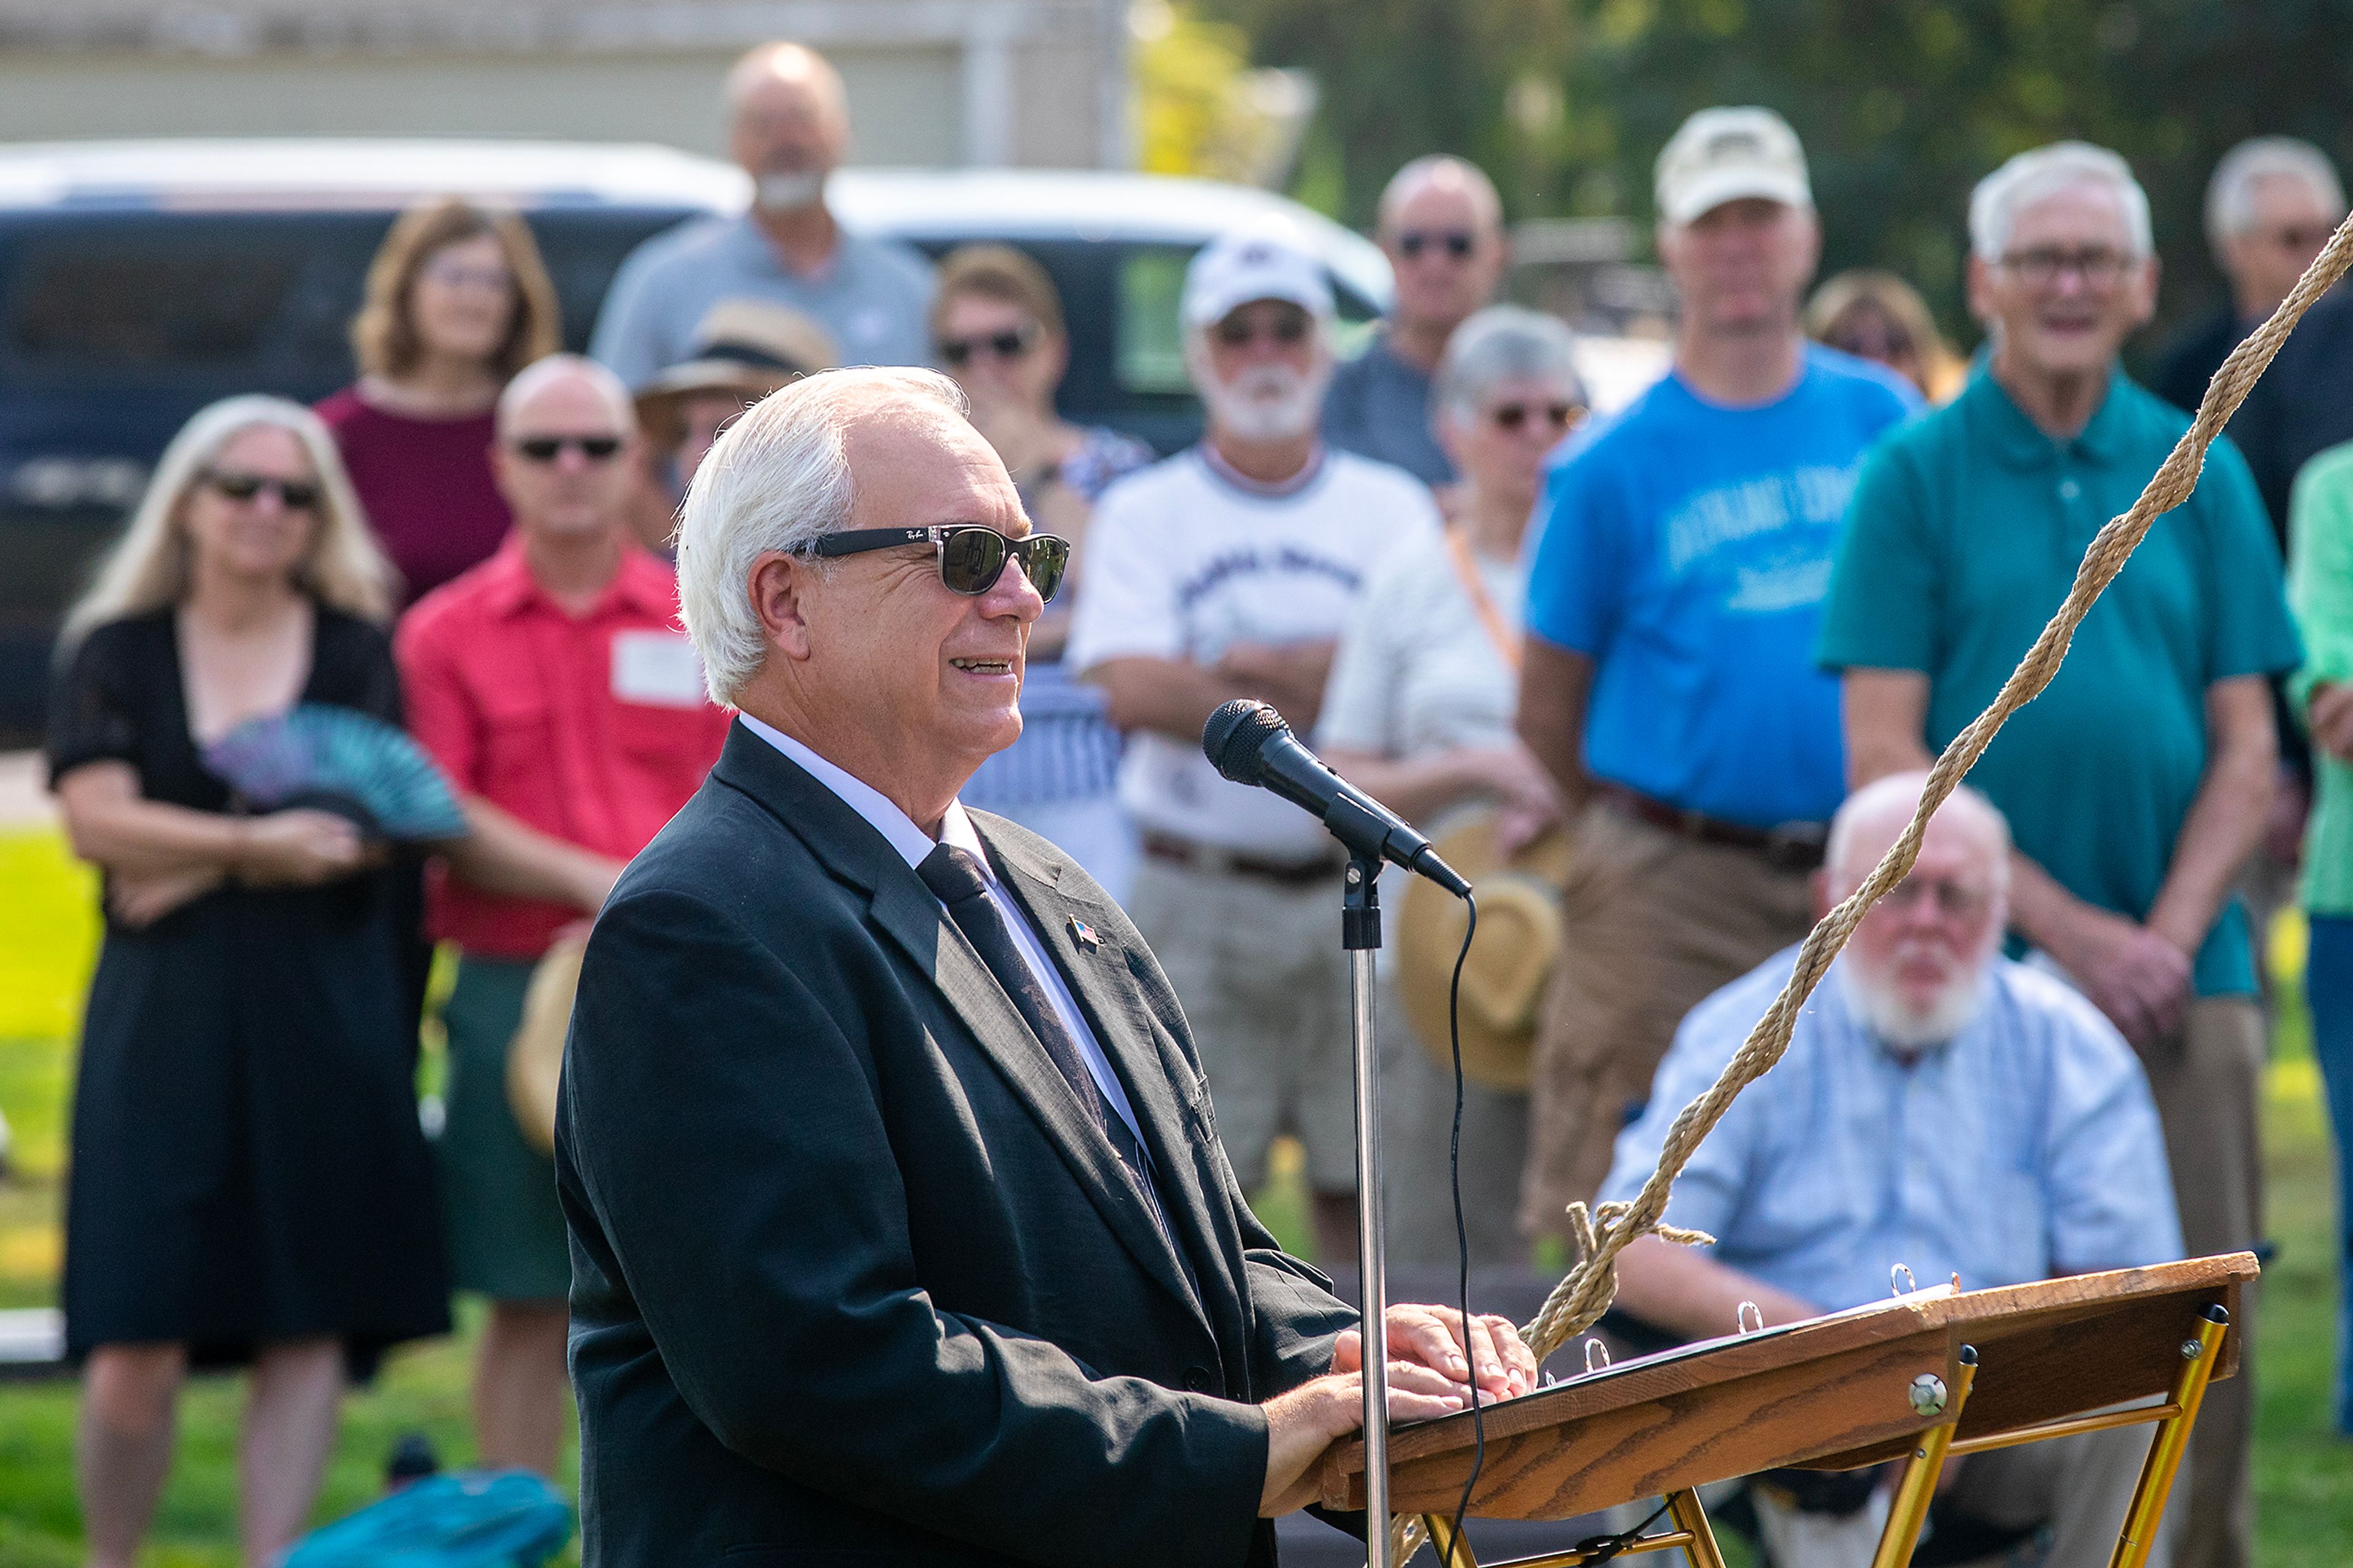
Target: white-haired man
(1673, 594)
(2270, 208)
(553, 686)
(1230, 570)
(2138, 782)
(1940, 1106)
(900, 1231)
(1441, 226)
(789, 129)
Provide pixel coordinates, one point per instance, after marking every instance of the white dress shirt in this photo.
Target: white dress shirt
(955, 827)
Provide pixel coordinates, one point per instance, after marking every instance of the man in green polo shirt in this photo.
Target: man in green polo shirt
(2136, 785)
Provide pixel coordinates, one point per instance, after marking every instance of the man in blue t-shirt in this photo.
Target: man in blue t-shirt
(1673, 601)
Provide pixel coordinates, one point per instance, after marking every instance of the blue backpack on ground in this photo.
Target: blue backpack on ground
(472, 1519)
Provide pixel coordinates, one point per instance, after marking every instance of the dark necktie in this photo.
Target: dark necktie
(956, 878)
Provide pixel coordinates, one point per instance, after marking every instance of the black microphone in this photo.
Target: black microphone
(1251, 744)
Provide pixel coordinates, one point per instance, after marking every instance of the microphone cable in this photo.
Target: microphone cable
(1462, 1231)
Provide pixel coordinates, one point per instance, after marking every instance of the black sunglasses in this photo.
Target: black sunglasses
(294, 495)
(972, 557)
(1512, 416)
(1285, 327)
(1459, 242)
(547, 449)
(959, 351)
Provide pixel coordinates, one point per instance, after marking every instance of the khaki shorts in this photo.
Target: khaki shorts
(1652, 923)
(2207, 1078)
(1258, 967)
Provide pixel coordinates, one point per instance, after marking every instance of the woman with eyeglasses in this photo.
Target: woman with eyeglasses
(249, 1186)
(458, 300)
(1418, 715)
(1877, 316)
(997, 323)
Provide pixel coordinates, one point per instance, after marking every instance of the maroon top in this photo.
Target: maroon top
(425, 485)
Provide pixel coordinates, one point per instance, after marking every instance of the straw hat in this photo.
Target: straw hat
(535, 1055)
(1510, 961)
(746, 347)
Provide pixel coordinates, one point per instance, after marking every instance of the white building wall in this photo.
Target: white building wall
(1032, 83)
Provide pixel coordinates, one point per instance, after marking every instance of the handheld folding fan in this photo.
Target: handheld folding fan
(339, 760)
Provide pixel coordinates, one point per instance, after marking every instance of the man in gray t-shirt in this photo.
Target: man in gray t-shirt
(788, 125)
(1441, 226)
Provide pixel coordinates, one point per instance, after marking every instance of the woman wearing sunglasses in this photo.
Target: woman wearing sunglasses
(1877, 316)
(1418, 715)
(249, 1183)
(458, 300)
(997, 323)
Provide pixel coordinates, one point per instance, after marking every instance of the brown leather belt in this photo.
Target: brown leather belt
(1207, 857)
(1791, 846)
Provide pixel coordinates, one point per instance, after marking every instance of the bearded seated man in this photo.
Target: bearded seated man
(1942, 1108)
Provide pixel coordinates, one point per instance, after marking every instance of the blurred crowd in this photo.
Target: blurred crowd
(1665, 679)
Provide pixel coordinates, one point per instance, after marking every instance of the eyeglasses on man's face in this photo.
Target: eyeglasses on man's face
(2043, 266)
(1009, 344)
(1286, 325)
(1457, 242)
(972, 556)
(1516, 416)
(547, 449)
(1950, 900)
(294, 495)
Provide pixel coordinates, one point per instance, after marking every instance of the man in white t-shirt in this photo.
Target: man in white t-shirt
(1229, 570)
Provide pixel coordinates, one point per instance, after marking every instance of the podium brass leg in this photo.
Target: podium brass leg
(1453, 1551)
(1692, 1532)
(1917, 1487)
(2147, 1510)
(1685, 1510)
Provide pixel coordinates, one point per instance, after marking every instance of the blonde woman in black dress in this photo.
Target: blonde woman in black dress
(248, 1184)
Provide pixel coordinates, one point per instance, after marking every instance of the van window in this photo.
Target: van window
(94, 306)
(1151, 342)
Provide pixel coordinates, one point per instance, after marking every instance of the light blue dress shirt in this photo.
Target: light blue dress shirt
(2025, 1147)
(955, 827)
(873, 297)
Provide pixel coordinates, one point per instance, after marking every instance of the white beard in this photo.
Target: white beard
(1267, 402)
(1908, 1028)
(787, 193)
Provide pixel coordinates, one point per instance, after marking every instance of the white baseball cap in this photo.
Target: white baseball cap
(1722, 155)
(1267, 262)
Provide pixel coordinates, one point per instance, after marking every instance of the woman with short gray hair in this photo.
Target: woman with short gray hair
(1418, 715)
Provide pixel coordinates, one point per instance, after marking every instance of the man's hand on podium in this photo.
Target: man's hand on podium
(1431, 1365)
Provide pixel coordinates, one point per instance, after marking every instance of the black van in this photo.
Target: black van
(141, 282)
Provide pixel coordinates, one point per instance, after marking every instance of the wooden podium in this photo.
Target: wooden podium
(1929, 1375)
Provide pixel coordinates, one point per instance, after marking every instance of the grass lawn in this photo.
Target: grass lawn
(2303, 1473)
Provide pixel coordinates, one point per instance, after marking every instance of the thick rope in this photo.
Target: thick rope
(1606, 1229)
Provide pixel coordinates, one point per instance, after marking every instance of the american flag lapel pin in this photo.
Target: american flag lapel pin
(1084, 935)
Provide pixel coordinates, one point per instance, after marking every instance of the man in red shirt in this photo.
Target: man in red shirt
(552, 684)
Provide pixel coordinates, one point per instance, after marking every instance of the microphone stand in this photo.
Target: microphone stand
(1360, 934)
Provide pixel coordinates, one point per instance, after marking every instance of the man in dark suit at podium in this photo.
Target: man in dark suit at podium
(901, 1229)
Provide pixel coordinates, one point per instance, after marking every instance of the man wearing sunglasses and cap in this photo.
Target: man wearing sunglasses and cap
(1673, 598)
(1230, 570)
(901, 1228)
(550, 684)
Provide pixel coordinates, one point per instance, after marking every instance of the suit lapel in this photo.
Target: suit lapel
(854, 850)
(912, 918)
(1106, 992)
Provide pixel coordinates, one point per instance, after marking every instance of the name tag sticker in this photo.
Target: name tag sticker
(657, 668)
